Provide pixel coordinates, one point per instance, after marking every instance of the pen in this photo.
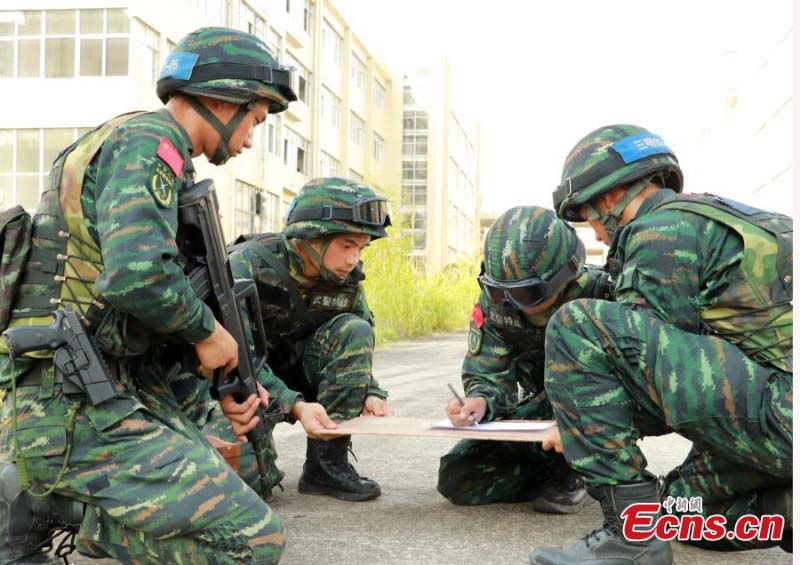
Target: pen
(461, 402)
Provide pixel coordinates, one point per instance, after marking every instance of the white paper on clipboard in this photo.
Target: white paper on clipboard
(501, 426)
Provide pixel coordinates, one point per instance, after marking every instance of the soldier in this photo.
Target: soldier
(318, 323)
(532, 264)
(104, 245)
(699, 342)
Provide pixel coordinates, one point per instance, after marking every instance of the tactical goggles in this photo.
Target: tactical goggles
(532, 291)
(372, 211)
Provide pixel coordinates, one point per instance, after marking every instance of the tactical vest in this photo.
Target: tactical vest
(755, 311)
(527, 340)
(292, 314)
(64, 260)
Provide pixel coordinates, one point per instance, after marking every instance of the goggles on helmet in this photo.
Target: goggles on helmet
(529, 292)
(372, 211)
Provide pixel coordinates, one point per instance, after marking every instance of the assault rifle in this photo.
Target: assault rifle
(201, 243)
(77, 357)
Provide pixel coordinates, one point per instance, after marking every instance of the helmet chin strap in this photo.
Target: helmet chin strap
(222, 152)
(325, 274)
(610, 220)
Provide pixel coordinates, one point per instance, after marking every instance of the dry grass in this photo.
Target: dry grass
(407, 302)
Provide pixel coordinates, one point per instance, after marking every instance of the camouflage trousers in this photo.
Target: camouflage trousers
(615, 375)
(479, 472)
(337, 365)
(155, 489)
(335, 370)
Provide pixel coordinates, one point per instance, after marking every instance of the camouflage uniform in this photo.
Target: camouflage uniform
(320, 331)
(154, 488)
(689, 347)
(505, 362)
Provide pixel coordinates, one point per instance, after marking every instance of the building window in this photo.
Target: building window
(356, 177)
(415, 170)
(214, 9)
(379, 96)
(274, 42)
(256, 210)
(377, 147)
(26, 156)
(306, 16)
(259, 137)
(358, 73)
(151, 41)
(64, 43)
(415, 195)
(415, 120)
(273, 133)
(414, 224)
(415, 145)
(272, 204)
(331, 43)
(296, 151)
(251, 22)
(331, 109)
(300, 12)
(454, 133)
(357, 129)
(303, 79)
(328, 166)
(408, 96)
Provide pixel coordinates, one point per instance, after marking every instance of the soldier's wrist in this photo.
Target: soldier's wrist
(202, 331)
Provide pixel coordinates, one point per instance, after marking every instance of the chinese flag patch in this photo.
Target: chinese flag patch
(171, 156)
(477, 315)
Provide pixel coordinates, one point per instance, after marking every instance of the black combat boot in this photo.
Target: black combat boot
(563, 491)
(607, 545)
(327, 471)
(28, 524)
(778, 500)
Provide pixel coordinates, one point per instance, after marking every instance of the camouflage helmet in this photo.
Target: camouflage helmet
(528, 241)
(329, 206)
(611, 156)
(228, 65)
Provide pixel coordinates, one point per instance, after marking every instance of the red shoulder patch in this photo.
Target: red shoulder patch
(477, 315)
(171, 156)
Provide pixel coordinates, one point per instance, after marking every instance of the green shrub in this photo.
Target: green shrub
(407, 302)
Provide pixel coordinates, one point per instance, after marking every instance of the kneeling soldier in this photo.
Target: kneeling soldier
(533, 263)
(318, 324)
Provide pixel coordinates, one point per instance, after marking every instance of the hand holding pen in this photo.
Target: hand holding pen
(465, 411)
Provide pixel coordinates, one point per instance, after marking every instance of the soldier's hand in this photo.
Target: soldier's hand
(463, 415)
(313, 417)
(243, 415)
(552, 440)
(217, 350)
(374, 406)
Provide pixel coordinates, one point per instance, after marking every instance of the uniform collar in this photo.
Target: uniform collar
(187, 141)
(655, 200)
(649, 204)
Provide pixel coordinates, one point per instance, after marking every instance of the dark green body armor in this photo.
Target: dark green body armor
(292, 314)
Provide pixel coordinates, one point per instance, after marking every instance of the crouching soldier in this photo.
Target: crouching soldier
(532, 264)
(318, 323)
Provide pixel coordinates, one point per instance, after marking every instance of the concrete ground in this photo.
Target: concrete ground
(411, 522)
